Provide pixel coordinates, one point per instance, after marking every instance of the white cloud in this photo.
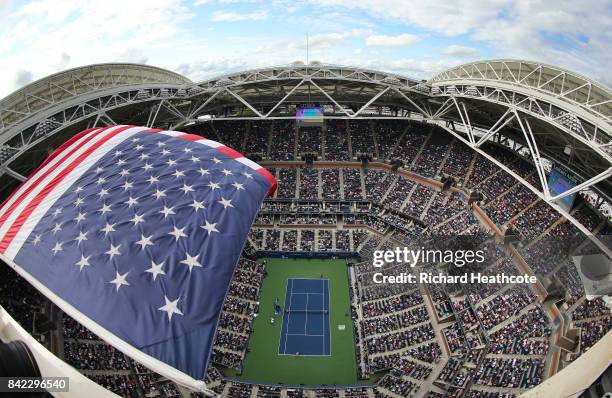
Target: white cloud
(317, 44)
(23, 77)
(573, 34)
(404, 39)
(213, 67)
(230, 16)
(459, 51)
(47, 36)
(447, 17)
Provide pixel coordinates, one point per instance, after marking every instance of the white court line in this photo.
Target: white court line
(306, 321)
(329, 314)
(306, 335)
(307, 293)
(289, 314)
(287, 334)
(323, 339)
(280, 339)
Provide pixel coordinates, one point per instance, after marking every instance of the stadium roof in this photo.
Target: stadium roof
(545, 112)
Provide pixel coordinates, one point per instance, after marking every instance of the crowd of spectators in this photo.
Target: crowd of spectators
(309, 183)
(122, 385)
(258, 138)
(330, 184)
(503, 306)
(394, 382)
(336, 141)
(510, 373)
(19, 298)
(392, 321)
(94, 356)
(282, 145)
(286, 183)
(362, 140)
(525, 335)
(310, 140)
(432, 155)
(352, 183)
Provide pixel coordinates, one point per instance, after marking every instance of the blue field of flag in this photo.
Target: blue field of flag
(306, 329)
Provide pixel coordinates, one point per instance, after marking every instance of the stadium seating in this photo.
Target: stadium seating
(477, 340)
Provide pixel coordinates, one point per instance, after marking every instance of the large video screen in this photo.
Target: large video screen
(310, 116)
(559, 182)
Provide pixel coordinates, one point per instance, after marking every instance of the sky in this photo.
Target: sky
(206, 38)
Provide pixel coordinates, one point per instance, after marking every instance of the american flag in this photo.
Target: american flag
(136, 233)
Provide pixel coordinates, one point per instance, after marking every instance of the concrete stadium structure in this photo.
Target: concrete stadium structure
(547, 115)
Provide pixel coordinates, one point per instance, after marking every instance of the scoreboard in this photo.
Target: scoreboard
(309, 116)
(558, 182)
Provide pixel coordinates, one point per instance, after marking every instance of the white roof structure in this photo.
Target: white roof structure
(546, 113)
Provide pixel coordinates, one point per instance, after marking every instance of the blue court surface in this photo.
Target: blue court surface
(305, 329)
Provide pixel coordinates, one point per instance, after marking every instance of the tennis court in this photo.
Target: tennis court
(306, 329)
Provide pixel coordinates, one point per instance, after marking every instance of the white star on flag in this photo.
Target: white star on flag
(57, 228)
(156, 269)
(137, 219)
(145, 241)
(178, 233)
(171, 162)
(57, 248)
(131, 202)
(147, 166)
(247, 175)
(144, 156)
(170, 308)
(108, 228)
(105, 209)
(203, 172)
(216, 160)
(113, 251)
(158, 194)
(153, 179)
(213, 185)
(102, 193)
(178, 173)
(197, 205)
(167, 211)
(80, 217)
(226, 172)
(120, 280)
(82, 236)
(226, 202)
(191, 261)
(84, 262)
(186, 188)
(238, 186)
(124, 173)
(210, 227)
